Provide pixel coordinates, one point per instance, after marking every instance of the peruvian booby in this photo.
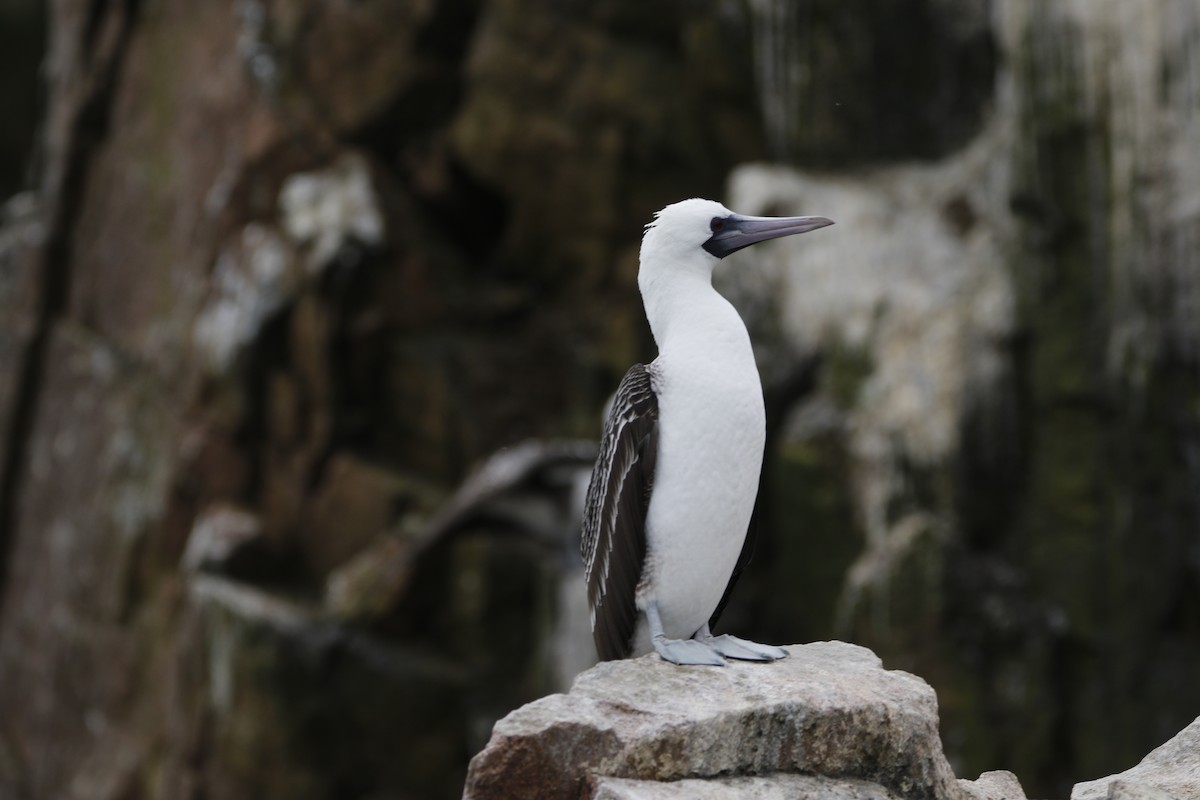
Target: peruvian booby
(674, 486)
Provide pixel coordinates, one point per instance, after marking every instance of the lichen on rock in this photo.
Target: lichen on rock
(327, 209)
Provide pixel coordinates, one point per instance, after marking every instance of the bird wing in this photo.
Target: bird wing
(614, 522)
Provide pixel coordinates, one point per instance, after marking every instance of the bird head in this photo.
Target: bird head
(700, 232)
(686, 240)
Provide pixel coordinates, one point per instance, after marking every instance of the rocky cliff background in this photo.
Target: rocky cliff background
(308, 312)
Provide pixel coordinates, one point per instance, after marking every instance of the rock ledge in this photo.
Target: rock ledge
(628, 728)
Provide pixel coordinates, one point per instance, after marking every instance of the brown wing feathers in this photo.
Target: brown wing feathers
(614, 525)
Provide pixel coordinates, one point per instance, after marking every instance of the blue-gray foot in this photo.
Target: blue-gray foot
(679, 651)
(741, 649)
(687, 651)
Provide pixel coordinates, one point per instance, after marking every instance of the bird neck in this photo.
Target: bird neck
(685, 312)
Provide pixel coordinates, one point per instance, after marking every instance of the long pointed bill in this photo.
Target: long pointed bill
(736, 231)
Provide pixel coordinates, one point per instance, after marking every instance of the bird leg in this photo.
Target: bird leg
(741, 649)
(679, 651)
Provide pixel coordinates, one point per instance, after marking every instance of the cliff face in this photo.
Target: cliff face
(290, 270)
(1008, 395)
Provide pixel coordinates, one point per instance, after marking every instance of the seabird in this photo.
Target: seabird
(673, 489)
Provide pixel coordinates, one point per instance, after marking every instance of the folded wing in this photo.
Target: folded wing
(614, 524)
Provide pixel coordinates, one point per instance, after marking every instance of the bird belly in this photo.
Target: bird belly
(711, 439)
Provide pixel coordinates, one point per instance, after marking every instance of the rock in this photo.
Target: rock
(782, 786)
(343, 64)
(279, 687)
(839, 79)
(369, 584)
(327, 209)
(261, 269)
(20, 230)
(217, 538)
(1017, 341)
(152, 213)
(932, 326)
(255, 275)
(533, 489)
(192, 180)
(907, 350)
(829, 709)
(1170, 771)
(641, 84)
(1126, 790)
(23, 49)
(354, 505)
(536, 487)
(996, 785)
(95, 485)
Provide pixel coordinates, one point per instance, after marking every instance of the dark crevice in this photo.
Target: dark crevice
(473, 215)
(423, 108)
(62, 205)
(257, 366)
(992, 465)
(410, 136)
(97, 12)
(343, 293)
(22, 95)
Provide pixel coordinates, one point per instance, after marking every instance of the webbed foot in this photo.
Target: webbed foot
(741, 649)
(687, 651)
(679, 651)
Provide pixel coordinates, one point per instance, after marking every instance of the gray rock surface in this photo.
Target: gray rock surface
(1169, 771)
(1127, 790)
(766, 787)
(995, 785)
(829, 709)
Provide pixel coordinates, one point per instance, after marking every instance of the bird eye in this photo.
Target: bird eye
(717, 224)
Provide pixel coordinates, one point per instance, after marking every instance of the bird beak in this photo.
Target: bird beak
(737, 231)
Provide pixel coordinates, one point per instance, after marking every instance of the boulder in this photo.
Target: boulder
(830, 709)
(1170, 772)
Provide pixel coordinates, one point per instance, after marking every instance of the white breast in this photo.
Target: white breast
(711, 437)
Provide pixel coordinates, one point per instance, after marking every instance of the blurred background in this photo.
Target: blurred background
(309, 311)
